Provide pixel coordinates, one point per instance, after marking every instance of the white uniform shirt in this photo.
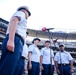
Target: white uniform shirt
(35, 53)
(25, 51)
(47, 55)
(63, 57)
(21, 27)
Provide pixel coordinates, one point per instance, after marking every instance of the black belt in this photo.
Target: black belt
(22, 57)
(63, 64)
(19, 37)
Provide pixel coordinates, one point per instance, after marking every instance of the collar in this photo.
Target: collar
(47, 48)
(34, 45)
(62, 51)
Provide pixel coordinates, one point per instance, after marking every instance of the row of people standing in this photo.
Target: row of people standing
(37, 59)
(45, 60)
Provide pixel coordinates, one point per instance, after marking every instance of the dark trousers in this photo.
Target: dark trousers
(9, 59)
(48, 69)
(64, 70)
(20, 67)
(35, 69)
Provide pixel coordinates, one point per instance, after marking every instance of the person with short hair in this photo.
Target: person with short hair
(47, 59)
(63, 61)
(34, 58)
(12, 45)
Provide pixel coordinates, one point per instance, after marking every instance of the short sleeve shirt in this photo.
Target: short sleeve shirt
(21, 27)
(35, 53)
(63, 57)
(47, 55)
(25, 51)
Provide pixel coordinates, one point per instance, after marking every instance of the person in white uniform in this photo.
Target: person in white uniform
(25, 49)
(47, 59)
(34, 58)
(63, 61)
(12, 45)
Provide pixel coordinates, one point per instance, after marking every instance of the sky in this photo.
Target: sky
(59, 14)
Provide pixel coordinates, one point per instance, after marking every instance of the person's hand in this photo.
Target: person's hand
(30, 66)
(71, 71)
(41, 67)
(58, 72)
(24, 69)
(10, 45)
